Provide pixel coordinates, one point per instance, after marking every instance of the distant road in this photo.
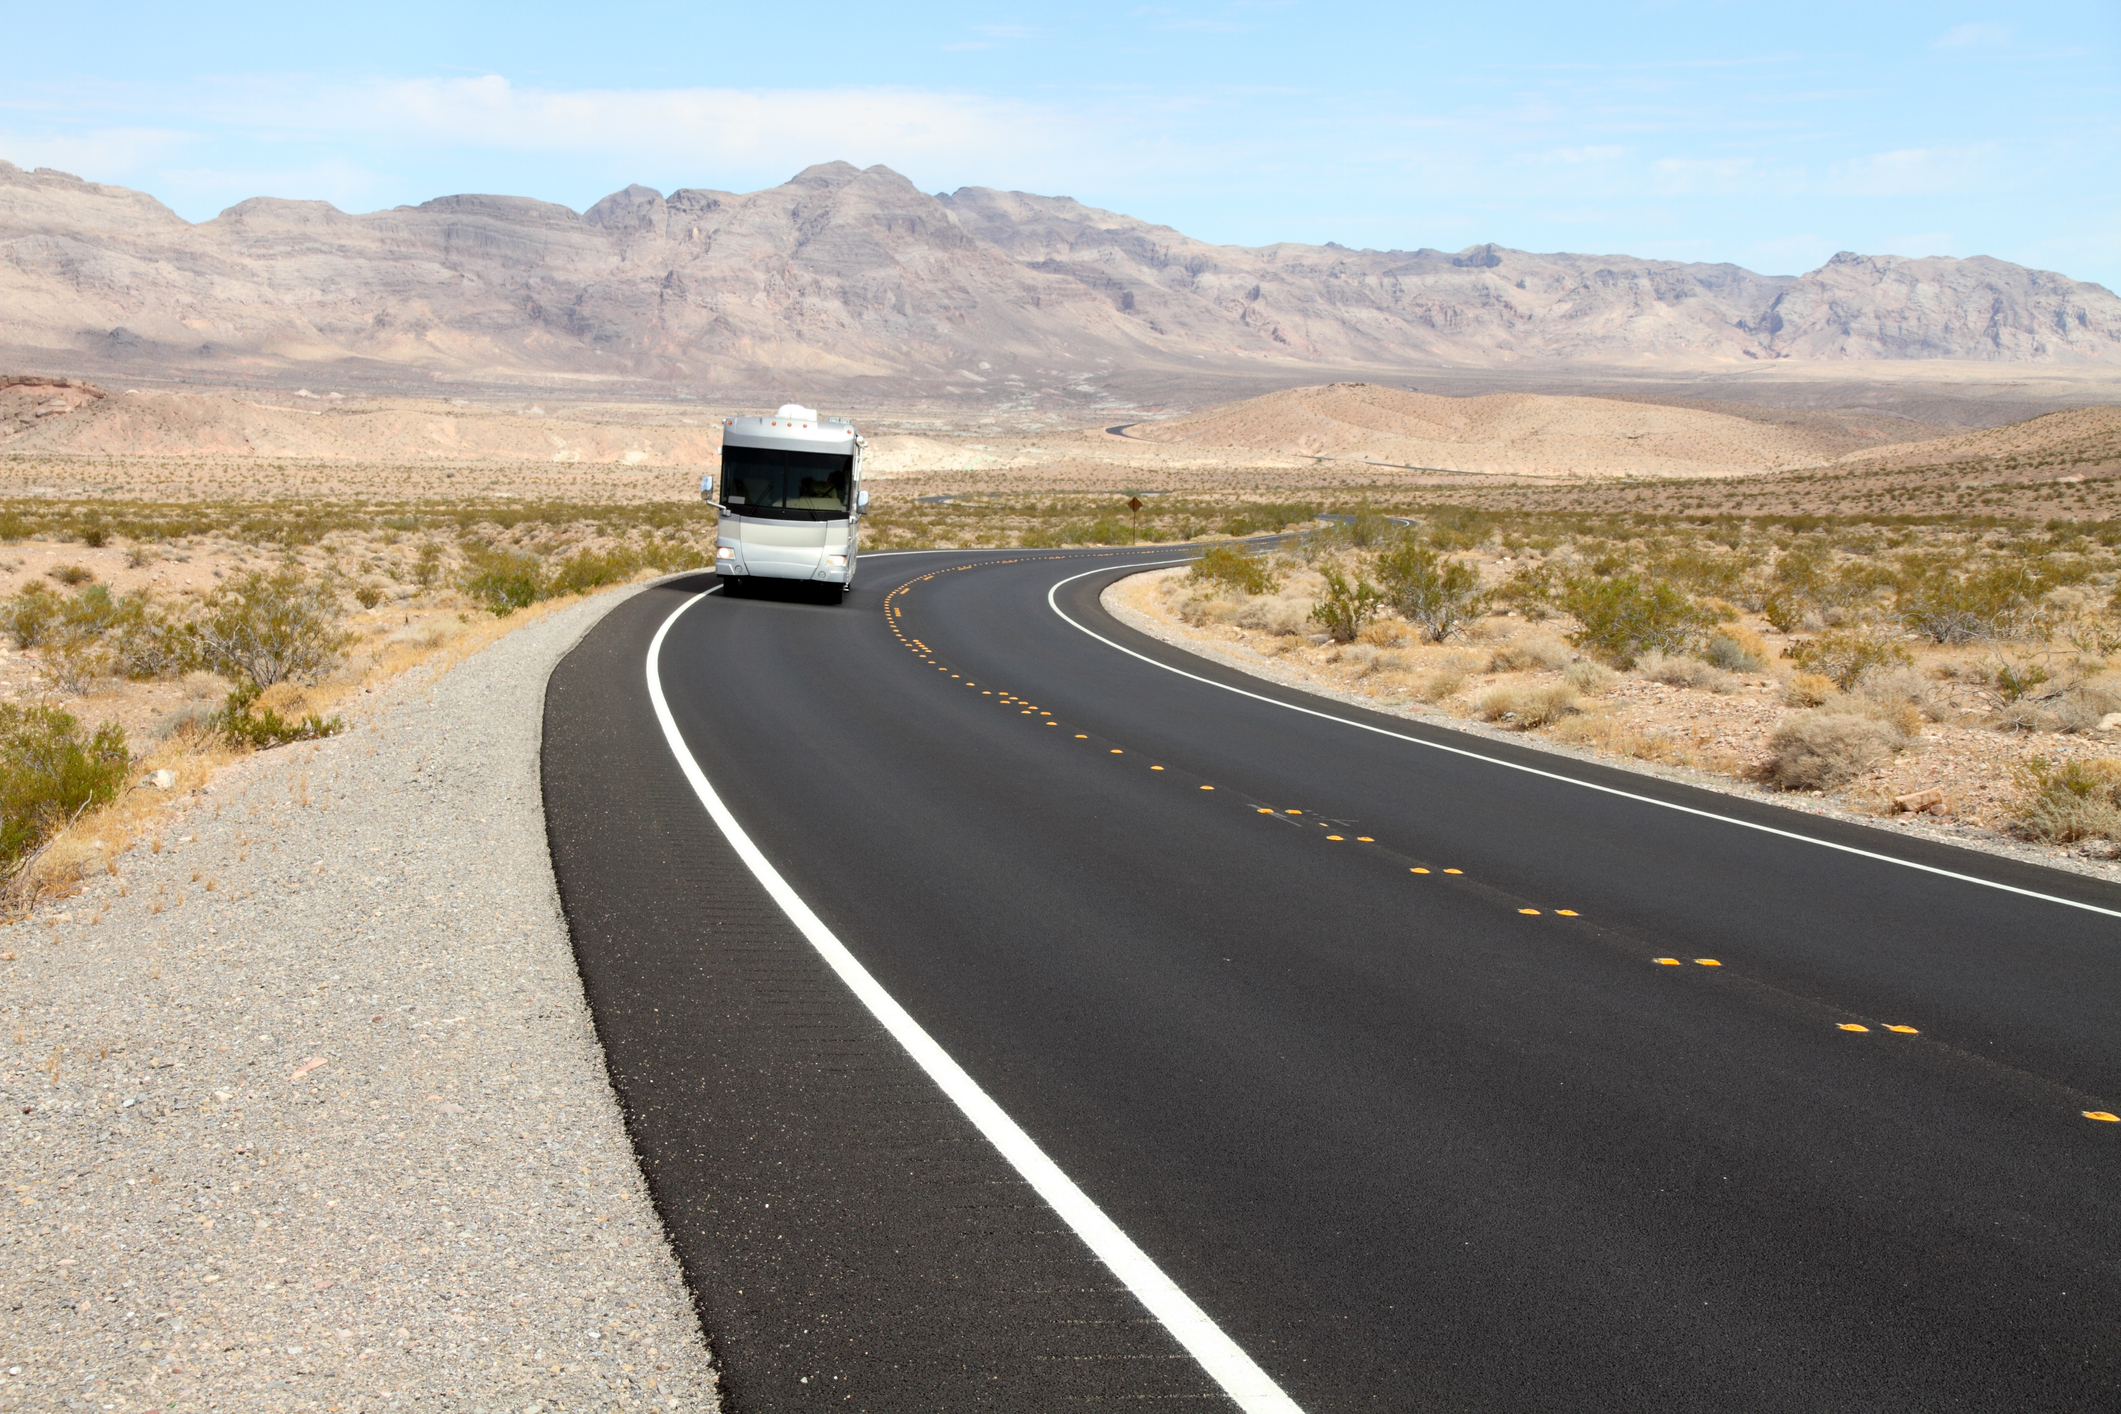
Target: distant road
(1618, 1106)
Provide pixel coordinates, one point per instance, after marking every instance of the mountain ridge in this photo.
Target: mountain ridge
(850, 277)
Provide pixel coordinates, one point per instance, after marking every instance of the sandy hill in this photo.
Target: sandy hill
(1522, 433)
(71, 418)
(854, 280)
(2077, 437)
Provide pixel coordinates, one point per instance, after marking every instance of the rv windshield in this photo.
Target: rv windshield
(778, 485)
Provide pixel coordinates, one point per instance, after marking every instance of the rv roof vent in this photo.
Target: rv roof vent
(797, 410)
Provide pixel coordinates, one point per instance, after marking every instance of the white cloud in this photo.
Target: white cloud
(1975, 36)
(1914, 171)
(1724, 175)
(94, 152)
(772, 130)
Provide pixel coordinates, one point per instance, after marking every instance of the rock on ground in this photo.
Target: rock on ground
(305, 1110)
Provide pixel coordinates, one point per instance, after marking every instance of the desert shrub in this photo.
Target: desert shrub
(1898, 685)
(428, 568)
(1592, 679)
(1844, 656)
(49, 774)
(1442, 683)
(1704, 571)
(1460, 527)
(1197, 611)
(1529, 706)
(1786, 612)
(1529, 589)
(99, 634)
(1735, 651)
(1945, 605)
(368, 596)
(1808, 690)
(1230, 566)
(2082, 706)
(1386, 633)
(1267, 518)
(95, 536)
(1821, 749)
(30, 615)
(591, 569)
(1677, 670)
(1439, 595)
(1284, 617)
(71, 575)
(2072, 801)
(247, 723)
(503, 580)
(1623, 617)
(1346, 606)
(2014, 680)
(1529, 652)
(1362, 529)
(264, 628)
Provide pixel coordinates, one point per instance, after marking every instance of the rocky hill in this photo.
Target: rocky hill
(856, 280)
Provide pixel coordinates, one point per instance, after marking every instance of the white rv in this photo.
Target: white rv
(791, 498)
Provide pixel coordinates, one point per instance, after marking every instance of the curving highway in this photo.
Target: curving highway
(1012, 1011)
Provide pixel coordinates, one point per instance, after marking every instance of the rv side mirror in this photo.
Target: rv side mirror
(861, 502)
(707, 487)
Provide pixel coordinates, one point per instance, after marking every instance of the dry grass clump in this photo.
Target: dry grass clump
(1678, 670)
(1535, 651)
(2076, 800)
(1591, 679)
(1528, 707)
(1809, 690)
(1832, 745)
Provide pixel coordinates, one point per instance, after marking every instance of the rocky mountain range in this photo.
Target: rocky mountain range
(854, 279)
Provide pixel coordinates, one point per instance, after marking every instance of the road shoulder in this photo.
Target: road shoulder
(306, 1105)
(1125, 600)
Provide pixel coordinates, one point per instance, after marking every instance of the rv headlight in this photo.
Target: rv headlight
(835, 559)
(723, 552)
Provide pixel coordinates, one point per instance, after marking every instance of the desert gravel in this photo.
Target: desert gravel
(305, 1110)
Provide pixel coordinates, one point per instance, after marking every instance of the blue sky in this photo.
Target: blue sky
(1767, 135)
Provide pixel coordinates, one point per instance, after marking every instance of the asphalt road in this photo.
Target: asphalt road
(1410, 1068)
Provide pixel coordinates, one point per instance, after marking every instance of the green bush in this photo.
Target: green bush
(1844, 657)
(264, 628)
(1731, 655)
(1346, 607)
(1364, 528)
(2072, 801)
(1530, 589)
(504, 580)
(264, 727)
(49, 774)
(1623, 617)
(1265, 519)
(1460, 527)
(1439, 595)
(1938, 600)
(30, 615)
(1228, 565)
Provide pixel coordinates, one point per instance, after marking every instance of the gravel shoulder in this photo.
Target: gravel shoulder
(1134, 602)
(304, 1108)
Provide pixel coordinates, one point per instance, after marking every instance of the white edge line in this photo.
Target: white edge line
(1053, 603)
(1251, 1387)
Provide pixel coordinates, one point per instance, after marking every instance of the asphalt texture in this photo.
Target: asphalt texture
(1321, 1039)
